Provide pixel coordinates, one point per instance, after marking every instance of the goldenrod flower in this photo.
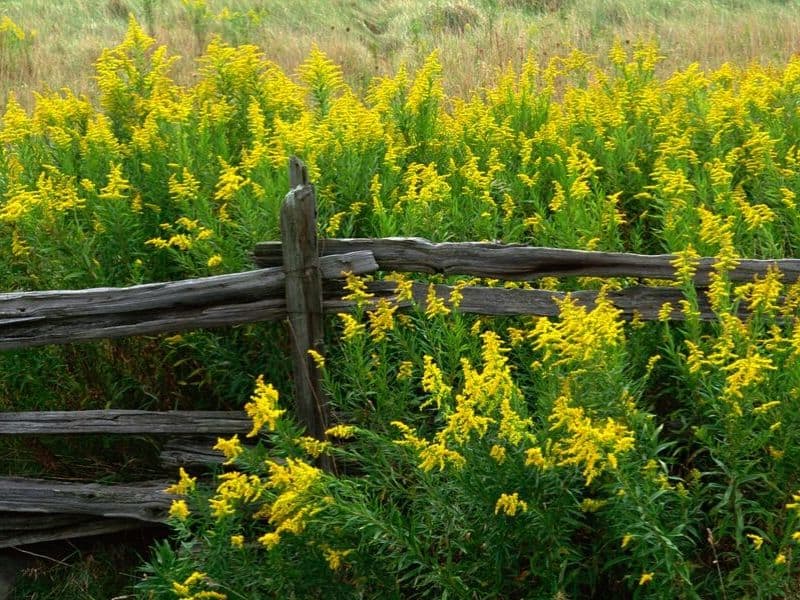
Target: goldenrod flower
(179, 510)
(352, 328)
(498, 453)
(230, 448)
(341, 432)
(335, 558)
(405, 370)
(510, 504)
(263, 407)
(184, 486)
(434, 306)
(312, 446)
(381, 320)
(757, 540)
(270, 539)
(685, 263)
(318, 359)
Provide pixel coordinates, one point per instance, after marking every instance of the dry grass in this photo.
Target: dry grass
(476, 37)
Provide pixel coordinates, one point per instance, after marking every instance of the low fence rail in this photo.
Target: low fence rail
(299, 281)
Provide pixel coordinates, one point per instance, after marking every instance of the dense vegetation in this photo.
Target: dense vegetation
(534, 458)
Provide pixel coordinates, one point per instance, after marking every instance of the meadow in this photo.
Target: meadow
(577, 457)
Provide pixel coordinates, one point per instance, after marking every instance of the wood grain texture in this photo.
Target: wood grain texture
(41, 528)
(513, 262)
(303, 291)
(642, 300)
(140, 501)
(40, 321)
(190, 454)
(123, 422)
(235, 288)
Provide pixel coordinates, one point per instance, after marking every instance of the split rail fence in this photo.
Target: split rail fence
(299, 280)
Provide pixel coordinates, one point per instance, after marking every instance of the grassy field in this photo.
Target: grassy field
(656, 460)
(475, 37)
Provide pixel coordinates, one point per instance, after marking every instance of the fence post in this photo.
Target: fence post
(304, 297)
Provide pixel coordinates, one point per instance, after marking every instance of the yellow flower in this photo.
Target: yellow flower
(591, 505)
(335, 557)
(117, 185)
(341, 432)
(237, 541)
(646, 578)
(333, 226)
(231, 448)
(510, 504)
(780, 559)
(535, 457)
(757, 540)
(498, 453)
(381, 320)
(405, 370)
(179, 510)
(270, 540)
(405, 287)
(312, 446)
(665, 312)
(352, 328)
(685, 264)
(229, 183)
(626, 539)
(434, 305)
(587, 444)
(433, 383)
(214, 261)
(263, 407)
(185, 484)
(438, 455)
(318, 359)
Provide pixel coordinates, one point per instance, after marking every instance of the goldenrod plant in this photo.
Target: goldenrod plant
(578, 456)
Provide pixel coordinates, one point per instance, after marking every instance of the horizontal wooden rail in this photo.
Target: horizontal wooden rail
(190, 454)
(25, 528)
(233, 288)
(513, 262)
(140, 501)
(643, 302)
(123, 421)
(59, 317)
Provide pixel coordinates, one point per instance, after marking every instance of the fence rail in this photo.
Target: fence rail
(123, 422)
(299, 281)
(514, 262)
(60, 317)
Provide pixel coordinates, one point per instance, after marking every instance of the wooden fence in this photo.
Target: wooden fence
(299, 281)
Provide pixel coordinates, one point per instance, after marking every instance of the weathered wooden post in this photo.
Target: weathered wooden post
(304, 297)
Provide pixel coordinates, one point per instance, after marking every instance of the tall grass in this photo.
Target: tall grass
(475, 37)
(640, 454)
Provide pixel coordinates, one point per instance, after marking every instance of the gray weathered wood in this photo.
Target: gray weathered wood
(479, 300)
(32, 307)
(124, 421)
(40, 528)
(80, 321)
(140, 501)
(644, 300)
(190, 454)
(513, 262)
(298, 173)
(304, 299)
